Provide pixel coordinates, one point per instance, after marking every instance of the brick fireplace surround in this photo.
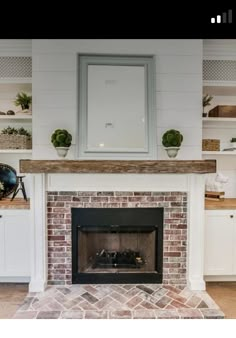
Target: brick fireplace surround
(177, 186)
(59, 205)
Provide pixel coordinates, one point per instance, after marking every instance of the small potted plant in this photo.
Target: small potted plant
(61, 139)
(233, 142)
(24, 100)
(172, 140)
(206, 101)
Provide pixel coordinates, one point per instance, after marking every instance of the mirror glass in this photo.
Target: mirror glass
(116, 104)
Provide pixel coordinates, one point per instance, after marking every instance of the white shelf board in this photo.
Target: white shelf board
(233, 152)
(16, 151)
(15, 80)
(16, 117)
(220, 88)
(215, 83)
(219, 119)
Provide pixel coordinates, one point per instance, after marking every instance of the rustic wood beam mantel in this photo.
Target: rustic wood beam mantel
(118, 167)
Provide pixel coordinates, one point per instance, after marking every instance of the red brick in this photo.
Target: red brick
(105, 193)
(172, 254)
(62, 198)
(118, 199)
(61, 210)
(81, 199)
(56, 238)
(124, 193)
(155, 199)
(55, 215)
(99, 199)
(110, 205)
(137, 199)
(56, 249)
(92, 205)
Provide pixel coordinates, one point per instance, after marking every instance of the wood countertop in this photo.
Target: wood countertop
(17, 203)
(118, 166)
(227, 203)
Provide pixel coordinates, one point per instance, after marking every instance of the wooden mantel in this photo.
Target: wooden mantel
(118, 167)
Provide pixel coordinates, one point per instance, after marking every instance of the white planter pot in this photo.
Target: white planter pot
(172, 151)
(233, 144)
(62, 151)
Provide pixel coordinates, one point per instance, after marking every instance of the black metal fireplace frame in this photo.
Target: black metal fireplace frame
(147, 219)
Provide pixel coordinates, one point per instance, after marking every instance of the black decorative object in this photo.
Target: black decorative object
(118, 259)
(8, 178)
(10, 112)
(19, 186)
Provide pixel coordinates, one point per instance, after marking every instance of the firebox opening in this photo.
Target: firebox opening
(122, 245)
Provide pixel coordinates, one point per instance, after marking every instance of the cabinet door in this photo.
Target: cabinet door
(219, 243)
(16, 244)
(2, 255)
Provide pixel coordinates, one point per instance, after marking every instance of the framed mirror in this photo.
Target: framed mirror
(116, 107)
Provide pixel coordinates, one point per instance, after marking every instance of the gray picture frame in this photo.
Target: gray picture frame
(135, 65)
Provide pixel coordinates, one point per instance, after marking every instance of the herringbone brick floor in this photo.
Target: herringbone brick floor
(104, 301)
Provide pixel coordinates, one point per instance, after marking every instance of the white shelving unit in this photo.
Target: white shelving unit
(9, 87)
(15, 151)
(15, 117)
(15, 80)
(227, 152)
(219, 119)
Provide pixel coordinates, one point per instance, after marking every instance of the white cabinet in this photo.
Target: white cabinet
(220, 243)
(14, 245)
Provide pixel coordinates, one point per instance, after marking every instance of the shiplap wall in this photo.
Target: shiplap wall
(178, 88)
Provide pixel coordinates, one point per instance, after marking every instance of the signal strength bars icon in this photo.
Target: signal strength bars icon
(223, 18)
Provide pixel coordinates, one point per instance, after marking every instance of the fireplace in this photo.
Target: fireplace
(117, 245)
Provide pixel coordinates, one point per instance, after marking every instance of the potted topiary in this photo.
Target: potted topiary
(206, 101)
(24, 100)
(61, 139)
(233, 142)
(172, 140)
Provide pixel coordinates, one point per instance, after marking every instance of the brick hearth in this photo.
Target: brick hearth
(59, 206)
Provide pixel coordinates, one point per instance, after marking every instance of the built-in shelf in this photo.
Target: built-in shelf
(233, 152)
(15, 80)
(17, 203)
(221, 88)
(227, 203)
(219, 119)
(16, 151)
(16, 117)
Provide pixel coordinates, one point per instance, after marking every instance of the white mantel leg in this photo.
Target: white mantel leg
(38, 234)
(195, 256)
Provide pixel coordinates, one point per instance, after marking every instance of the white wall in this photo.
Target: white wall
(178, 89)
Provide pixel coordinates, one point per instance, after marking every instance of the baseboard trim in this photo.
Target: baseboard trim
(14, 279)
(220, 278)
(197, 284)
(37, 285)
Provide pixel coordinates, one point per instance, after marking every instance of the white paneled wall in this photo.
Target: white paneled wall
(178, 88)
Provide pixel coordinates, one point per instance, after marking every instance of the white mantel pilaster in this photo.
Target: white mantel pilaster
(195, 253)
(38, 234)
